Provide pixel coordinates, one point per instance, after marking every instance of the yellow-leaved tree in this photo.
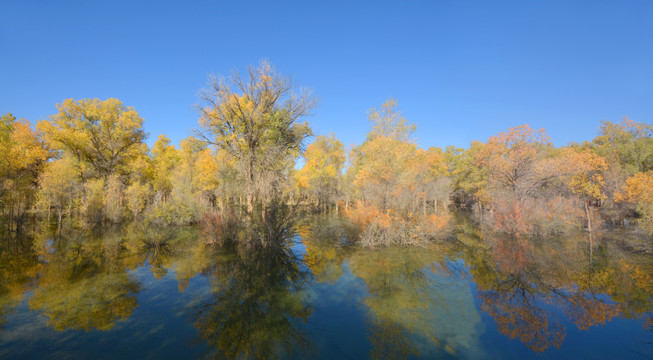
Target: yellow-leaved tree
(380, 164)
(322, 170)
(22, 155)
(638, 189)
(104, 134)
(256, 120)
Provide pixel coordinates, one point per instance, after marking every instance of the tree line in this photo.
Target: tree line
(89, 163)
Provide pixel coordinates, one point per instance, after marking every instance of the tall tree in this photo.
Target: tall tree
(58, 185)
(380, 164)
(22, 155)
(164, 159)
(628, 143)
(511, 159)
(105, 134)
(638, 189)
(322, 171)
(255, 118)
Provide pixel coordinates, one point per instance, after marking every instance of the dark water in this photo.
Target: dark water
(163, 293)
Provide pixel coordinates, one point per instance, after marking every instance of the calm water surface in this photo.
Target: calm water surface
(162, 293)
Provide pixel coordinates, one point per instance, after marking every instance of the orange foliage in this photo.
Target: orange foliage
(389, 228)
(516, 317)
(363, 215)
(533, 216)
(512, 254)
(510, 217)
(509, 156)
(432, 224)
(586, 312)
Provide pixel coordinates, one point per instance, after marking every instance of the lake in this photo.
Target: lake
(163, 293)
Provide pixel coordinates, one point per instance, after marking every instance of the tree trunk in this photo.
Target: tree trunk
(250, 185)
(424, 205)
(250, 202)
(589, 220)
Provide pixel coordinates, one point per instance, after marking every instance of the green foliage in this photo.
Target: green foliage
(629, 144)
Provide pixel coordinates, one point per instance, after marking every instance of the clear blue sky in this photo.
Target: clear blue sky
(461, 70)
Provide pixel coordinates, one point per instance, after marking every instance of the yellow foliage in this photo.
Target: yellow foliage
(637, 189)
(103, 133)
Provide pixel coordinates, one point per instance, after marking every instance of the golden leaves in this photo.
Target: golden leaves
(638, 189)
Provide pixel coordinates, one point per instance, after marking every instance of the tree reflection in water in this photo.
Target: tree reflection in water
(257, 295)
(416, 306)
(531, 286)
(18, 266)
(83, 283)
(416, 302)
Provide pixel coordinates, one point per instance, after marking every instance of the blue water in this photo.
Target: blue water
(104, 296)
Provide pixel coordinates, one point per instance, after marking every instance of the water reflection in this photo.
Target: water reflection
(265, 298)
(532, 287)
(18, 267)
(417, 303)
(327, 247)
(82, 282)
(257, 302)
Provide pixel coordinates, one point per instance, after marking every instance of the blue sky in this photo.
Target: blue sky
(461, 70)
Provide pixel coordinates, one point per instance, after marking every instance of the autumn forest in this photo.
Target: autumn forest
(267, 226)
(88, 164)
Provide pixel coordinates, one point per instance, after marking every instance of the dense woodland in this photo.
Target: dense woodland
(88, 164)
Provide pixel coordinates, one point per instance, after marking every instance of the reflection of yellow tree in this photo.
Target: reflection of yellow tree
(390, 341)
(324, 254)
(83, 284)
(630, 284)
(18, 265)
(410, 306)
(189, 260)
(257, 301)
(93, 303)
(166, 248)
